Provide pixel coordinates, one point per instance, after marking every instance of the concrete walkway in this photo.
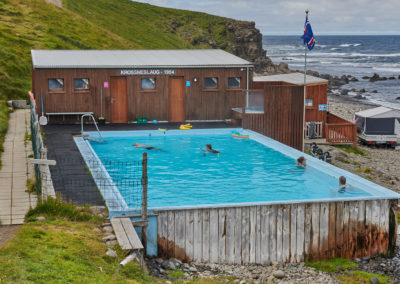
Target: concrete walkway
(16, 170)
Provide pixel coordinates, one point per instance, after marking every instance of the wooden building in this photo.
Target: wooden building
(275, 108)
(122, 85)
(316, 94)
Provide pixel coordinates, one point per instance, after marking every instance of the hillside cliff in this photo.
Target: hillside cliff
(111, 24)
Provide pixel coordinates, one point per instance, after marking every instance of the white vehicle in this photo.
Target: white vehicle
(378, 126)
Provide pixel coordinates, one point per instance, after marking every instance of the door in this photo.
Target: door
(176, 99)
(119, 108)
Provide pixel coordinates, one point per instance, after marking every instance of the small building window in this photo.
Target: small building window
(211, 82)
(56, 84)
(81, 84)
(148, 83)
(309, 102)
(233, 82)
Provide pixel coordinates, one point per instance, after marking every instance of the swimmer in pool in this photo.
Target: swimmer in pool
(301, 162)
(147, 147)
(210, 149)
(342, 184)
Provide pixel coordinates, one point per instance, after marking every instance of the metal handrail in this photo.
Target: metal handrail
(95, 124)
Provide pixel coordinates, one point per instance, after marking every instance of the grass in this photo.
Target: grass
(54, 208)
(31, 186)
(4, 114)
(351, 149)
(332, 265)
(61, 251)
(175, 274)
(345, 161)
(352, 277)
(366, 170)
(89, 24)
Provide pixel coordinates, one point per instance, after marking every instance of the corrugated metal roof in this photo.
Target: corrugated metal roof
(135, 58)
(379, 112)
(292, 78)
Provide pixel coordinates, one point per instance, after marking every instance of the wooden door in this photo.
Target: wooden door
(119, 108)
(176, 99)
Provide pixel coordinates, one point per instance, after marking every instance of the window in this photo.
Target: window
(56, 84)
(148, 83)
(309, 102)
(211, 82)
(233, 82)
(81, 84)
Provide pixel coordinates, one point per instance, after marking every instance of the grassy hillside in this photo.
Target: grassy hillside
(94, 24)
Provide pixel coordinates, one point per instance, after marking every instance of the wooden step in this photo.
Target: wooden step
(126, 235)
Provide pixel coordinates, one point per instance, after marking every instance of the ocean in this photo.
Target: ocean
(346, 55)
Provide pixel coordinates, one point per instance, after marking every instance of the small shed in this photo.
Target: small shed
(316, 92)
(122, 85)
(380, 120)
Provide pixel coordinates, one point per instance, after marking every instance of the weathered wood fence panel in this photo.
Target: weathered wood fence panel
(283, 233)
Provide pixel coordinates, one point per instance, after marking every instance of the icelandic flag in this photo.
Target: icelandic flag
(308, 36)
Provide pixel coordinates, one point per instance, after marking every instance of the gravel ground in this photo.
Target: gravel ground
(384, 164)
(7, 233)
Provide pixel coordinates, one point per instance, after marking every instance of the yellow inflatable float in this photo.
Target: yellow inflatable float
(185, 126)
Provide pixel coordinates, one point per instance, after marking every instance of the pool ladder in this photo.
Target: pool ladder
(95, 124)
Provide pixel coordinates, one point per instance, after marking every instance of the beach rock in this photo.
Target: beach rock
(398, 77)
(109, 237)
(362, 91)
(374, 91)
(374, 280)
(278, 274)
(111, 243)
(374, 78)
(283, 66)
(108, 229)
(360, 97)
(111, 253)
(365, 77)
(391, 78)
(398, 98)
(353, 79)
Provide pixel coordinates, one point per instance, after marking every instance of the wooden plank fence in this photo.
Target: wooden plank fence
(278, 233)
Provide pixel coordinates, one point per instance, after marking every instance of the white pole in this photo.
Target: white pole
(101, 101)
(304, 95)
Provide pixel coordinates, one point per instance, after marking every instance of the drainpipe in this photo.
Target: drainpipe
(247, 88)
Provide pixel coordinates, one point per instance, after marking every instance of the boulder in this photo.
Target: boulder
(109, 237)
(365, 77)
(398, 98)
(41, 218)
(19, 104)
(375, 78)
(111, 243)
(391, 78)
(108, 229)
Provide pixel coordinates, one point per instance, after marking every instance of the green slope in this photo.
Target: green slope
(94, 24)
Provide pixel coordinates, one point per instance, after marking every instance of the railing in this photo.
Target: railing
(318, 130)
(340, 131)
(44, 185)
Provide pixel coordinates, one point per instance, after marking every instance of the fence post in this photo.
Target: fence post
(144, 201)
(355, 135)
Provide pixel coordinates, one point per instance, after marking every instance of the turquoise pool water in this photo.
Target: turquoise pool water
(244, 171)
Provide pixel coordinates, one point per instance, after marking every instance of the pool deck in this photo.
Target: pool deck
(71, 166)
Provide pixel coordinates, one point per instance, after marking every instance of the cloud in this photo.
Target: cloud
(287, 16)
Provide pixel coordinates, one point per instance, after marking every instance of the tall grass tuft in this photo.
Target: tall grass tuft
(56, 208)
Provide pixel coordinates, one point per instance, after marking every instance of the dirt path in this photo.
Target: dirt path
(7, 233)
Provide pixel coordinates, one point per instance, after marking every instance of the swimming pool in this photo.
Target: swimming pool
(250, 204)
(254, 170)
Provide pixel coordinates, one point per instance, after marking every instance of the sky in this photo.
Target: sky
(286, 17)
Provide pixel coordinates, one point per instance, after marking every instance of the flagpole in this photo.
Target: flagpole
(304, 93)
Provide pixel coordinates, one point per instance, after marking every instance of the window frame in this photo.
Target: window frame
(56, 90)
(148, 89)
(234, 88)
(312, 102)
(82, 89)
(211, 88)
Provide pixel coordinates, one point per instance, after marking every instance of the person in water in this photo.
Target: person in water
(147, 147)
(342, 184)
(210, 149)
(301, 162)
